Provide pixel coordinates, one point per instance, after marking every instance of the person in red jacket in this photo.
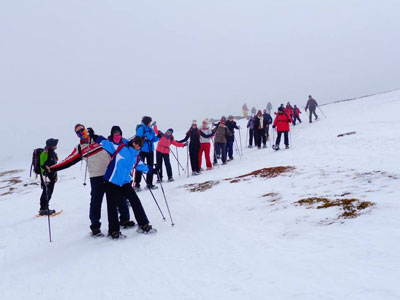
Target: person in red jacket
(282, 124)
(162, 153)
(296, 115)
(289, 110)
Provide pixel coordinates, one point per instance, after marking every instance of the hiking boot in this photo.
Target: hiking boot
(117, 235)
(195, 173)
(159, 180)
(128, 224)
(146, 229)
(258, 147)
(151, 187)
(137, 188)
(171, 179)
(276, 148)
(46, 212)
(209, 168)
(215, 163)
(201, 169)
(224, 163)
(287, 147)
(265, 146)
(96, 232)
(250, 146)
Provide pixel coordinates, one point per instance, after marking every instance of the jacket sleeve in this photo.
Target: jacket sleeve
(185, 139)
(69, 161)
(177, 144)
(276, 121)
(108, 146)
(228, 132)
(235, 126)
(205, 135)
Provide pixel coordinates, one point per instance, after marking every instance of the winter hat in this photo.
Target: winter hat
(51, 143)
(147, 120)
(259, 112)
(171, 130)
(78, 125)
(223, 118)
(194, 122)
(281, 108)
(115, 129)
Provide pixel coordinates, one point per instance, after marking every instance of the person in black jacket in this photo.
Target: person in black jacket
(230, 139)
(267, 121)
(194, 146)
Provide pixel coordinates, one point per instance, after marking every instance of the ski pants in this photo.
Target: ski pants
(278, 138)
(296, 117)
(312, 111)
(251, 137)
(259, 135)
(97, 185)
(220, 152)
(205, 148)
(115, 192)
(47, 192)
(229, 147)
(149, 158)
(159, 158)
(194, 157)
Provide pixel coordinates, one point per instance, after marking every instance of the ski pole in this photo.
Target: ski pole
(247, 135)
(165, 198)
(187, 161)
(179, 164)
(237, 147)
(322, 112)
(151, 192)
(240, 139)
(87, 162)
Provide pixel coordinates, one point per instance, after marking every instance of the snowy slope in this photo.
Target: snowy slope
(229, 242)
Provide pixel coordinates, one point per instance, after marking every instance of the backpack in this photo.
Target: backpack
(36, 161)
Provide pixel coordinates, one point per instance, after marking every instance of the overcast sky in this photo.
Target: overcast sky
(181, 60)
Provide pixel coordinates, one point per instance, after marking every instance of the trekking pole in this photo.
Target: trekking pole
(322, 112)
(273, 138)
(179, 164)
(240, 139)
(187, 161)
(247, 135)
(165, 198)
(87, 162)
(237, 147)
(177, 159)
(47, 199)
(151, 192)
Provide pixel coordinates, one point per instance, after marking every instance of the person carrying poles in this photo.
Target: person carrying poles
(312, 105)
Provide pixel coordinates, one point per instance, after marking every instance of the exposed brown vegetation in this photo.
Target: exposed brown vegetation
(351, 207)
(201, 187)
(10, 172)
(264, 173)
(270, 195)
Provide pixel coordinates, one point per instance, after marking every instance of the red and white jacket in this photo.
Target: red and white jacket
(165, 142)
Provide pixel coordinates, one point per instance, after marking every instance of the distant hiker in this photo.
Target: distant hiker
(312, 105)
(269, 107)
(118, 177)
(259, 130)
(205, 145)
(146, 131)
(289, 110)
(250, 126)
(221, 134)
(97, 163)
(47, 179)
(296, 114)
(267, 122)
(281, 122)
(162, 153)
(194, 135)
(245, 110)
(253, 111)
(231, 125)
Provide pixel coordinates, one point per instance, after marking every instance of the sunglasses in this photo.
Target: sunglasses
(80, 131)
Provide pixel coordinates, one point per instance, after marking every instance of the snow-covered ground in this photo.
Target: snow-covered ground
(229, 241)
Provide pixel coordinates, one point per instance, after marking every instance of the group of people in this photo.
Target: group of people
(116, 165)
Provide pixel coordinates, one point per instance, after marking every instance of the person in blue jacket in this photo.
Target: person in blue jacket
(118, 179)
(145, 131)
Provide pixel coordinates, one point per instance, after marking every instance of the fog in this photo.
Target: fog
(111, 62)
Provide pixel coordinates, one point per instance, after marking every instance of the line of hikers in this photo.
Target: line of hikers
(114, 161)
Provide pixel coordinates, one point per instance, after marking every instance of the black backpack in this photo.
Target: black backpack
(35, 166)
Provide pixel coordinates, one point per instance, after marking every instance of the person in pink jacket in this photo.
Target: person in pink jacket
(162, 153)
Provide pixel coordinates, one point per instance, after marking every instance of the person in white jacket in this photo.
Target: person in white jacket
(205, 145)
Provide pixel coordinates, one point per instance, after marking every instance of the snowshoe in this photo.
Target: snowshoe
(276, 147)
(146, 229)
(287, 147)
(97, 233)
(171, 179)
(117, 235)
(128, 224)
(195, 173)
(209, 168)
(152, 187)
(264, 146)
(46, 212)
(224, 163)
(137, 188)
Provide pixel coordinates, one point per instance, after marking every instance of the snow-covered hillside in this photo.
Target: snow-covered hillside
(242, 238)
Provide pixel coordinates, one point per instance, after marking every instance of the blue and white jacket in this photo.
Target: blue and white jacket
(149, 136)
(119, 170)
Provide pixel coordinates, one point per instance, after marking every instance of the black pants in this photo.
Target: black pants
(259, 135)
(115, 192)
(278, 138)
(97, 185)
(220, 152)
(149, 158)
(47, 192)
(251, 137)
(229, 146)
(194, 157)
(159, 158)
(296, 117)
(312, 111)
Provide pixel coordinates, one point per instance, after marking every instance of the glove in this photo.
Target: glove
(185, 144)
(160, 134)
(91, 132)
(273, 126)
(153, 124)
(150, 171)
